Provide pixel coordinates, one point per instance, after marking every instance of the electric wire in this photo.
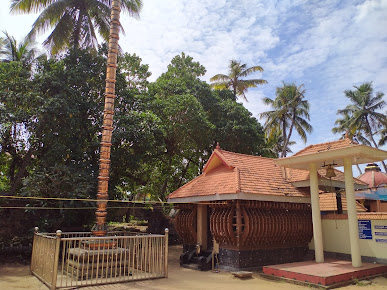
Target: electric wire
(105, 200)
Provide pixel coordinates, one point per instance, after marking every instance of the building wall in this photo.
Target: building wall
(377, 205)
(336, 238)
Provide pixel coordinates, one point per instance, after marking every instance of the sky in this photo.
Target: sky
(329, 46)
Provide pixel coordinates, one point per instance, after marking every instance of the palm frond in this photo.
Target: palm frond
(250, 70)
(132, 7)
(219, 77)
(233, 79)
(29, 6)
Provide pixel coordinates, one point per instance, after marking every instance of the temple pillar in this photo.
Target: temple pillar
(202, 226)
(316, 214)
(352, 213)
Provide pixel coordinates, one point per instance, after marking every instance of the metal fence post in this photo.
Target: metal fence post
(33, 258)
(56, 259)
(166, 254)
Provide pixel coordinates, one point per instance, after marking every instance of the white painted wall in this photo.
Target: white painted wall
(336, 238)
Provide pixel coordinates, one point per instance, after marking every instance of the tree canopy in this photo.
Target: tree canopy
(164, 133)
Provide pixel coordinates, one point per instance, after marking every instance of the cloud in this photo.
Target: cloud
(327, 45)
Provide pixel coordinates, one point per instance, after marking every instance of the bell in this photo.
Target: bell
(330, 172)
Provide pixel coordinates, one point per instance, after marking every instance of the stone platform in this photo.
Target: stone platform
(87, 264)
(332, 273)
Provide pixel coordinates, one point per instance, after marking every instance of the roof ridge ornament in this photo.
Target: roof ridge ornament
(217, 146)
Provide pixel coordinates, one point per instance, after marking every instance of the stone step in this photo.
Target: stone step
(191, 266)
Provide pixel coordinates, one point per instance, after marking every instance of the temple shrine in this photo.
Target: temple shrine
(253, 211)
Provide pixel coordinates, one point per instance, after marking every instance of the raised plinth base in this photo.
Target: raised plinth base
(251, 259)
(330, 274)
(94, 263)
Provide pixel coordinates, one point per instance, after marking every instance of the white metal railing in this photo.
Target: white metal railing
(65, 260)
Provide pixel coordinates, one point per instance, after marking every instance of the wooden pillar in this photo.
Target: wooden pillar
(352, 213)
(316, 214)
(238, 223)
(202, 226)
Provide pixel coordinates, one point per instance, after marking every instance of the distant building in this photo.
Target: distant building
(375, 198)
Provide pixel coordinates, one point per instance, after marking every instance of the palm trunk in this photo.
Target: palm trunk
(77, 30)
(286, 141)
(100, 228)
(283, 154)
(373, 141)
(17, 181)
(183, 173)
(358, 168)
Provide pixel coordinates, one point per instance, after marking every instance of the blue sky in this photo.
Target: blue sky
(329, 46)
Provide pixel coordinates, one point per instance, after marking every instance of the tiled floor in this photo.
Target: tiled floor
(328, 273)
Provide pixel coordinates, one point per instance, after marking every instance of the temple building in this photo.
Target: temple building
(251, 211)
(375, 198)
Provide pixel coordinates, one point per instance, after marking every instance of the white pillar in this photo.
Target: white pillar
(316, 214)
(352, 213)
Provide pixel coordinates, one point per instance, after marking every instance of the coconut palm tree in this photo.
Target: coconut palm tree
(74, 22)
(354, 133)
(275, 143)
(234, 79)
(10, 50)
(363, 112)
(290, 111)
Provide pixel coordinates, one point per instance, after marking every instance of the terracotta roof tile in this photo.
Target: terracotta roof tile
(219, 180)
(243, 173)
(360, 216)
(328, 202)
(373, 178)
(294, 175)
(343, 143)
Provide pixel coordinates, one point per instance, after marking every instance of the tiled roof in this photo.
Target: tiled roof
(343, 143)
(360, 216)
(328, 202)
(374, 178)
(294, 175)
(238, 173)
(219, 180)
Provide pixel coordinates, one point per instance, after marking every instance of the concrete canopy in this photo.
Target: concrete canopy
(337, 153)
(359, 154)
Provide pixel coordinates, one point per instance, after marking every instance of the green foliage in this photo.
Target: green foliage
(4, 167)
(136, 74)
(164, 132)
(74, 22)
(234, 80)
(236, 129)
(362, 119)
(61, 181)
(18, 110)
(23, 52)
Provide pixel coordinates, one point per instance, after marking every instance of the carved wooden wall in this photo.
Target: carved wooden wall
(261, 224)
(185, 223)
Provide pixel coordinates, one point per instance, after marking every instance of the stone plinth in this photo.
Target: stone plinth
(87, 264)
(250, 259)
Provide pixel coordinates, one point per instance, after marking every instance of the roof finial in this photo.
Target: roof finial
(217, 146)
